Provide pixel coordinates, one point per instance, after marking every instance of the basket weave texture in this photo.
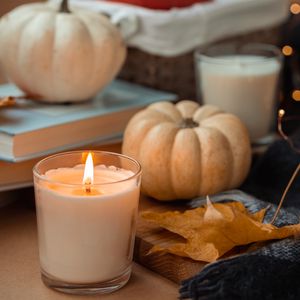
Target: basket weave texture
(177, 74)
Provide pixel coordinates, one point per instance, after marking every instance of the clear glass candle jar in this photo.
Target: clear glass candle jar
(86, 234)
(243, 80)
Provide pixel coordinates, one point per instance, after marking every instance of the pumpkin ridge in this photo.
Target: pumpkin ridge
(225, 137)
(242, 163)
(214, 114)
(22, 24)
(24, 83)
(185, 176)
(92, 43)
(195, 129)
(206, 112)
(232, 161)
(112, 32)
(145, 159)
(132, 139)
(85, 18)
(148, 116)
(26, 8)
(162, 114)
(211, 119)
(133, 126)
(187, 108)
(71, 52)
(53, 50)
(211, 163)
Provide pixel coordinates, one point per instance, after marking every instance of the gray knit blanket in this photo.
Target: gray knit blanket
(273, 271)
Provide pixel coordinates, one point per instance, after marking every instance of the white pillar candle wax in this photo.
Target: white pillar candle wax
(86, 234)
(244, 85)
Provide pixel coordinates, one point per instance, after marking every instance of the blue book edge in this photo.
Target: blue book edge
(30, 115)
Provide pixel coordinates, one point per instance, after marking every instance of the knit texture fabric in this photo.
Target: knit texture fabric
(272, 271)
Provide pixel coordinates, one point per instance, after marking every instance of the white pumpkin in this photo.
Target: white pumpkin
(59, 55)
(187, 150)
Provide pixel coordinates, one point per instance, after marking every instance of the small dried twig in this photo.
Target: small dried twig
(281, 113)
(285, 192)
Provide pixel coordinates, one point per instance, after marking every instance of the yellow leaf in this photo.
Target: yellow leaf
(215, 229)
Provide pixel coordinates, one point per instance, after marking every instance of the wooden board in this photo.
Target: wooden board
(173, 267)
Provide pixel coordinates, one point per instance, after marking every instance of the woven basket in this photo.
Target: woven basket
(177, 74)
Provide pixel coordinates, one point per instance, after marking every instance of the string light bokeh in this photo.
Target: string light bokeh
(290, 47)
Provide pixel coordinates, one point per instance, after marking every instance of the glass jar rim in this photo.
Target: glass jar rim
(37, 174)
(204, 55)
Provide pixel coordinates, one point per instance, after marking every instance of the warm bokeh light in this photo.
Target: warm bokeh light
(287, 50)
(296, 95)
(295, 8)
(281, 113)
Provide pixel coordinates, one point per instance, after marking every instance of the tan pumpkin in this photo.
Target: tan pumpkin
(187, 150)
(59, 54)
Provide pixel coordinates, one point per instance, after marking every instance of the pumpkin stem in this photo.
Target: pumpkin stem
(188, 123)
(64, 7)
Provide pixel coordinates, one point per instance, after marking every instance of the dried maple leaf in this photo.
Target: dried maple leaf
(213, 230)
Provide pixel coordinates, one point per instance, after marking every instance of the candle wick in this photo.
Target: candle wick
(87, 185)
(88, 188)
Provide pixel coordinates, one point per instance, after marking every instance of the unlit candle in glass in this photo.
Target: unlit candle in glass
(244, 85)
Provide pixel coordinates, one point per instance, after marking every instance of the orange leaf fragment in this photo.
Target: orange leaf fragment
(7, 101)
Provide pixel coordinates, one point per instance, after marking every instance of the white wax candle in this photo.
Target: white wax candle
(244, 85)
(84, 237)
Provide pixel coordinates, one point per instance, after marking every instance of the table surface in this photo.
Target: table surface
(19, 263)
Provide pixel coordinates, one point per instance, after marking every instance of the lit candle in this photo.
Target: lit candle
(86, 220)
(88, 176)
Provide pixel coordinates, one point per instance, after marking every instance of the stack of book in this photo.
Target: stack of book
(31, 130)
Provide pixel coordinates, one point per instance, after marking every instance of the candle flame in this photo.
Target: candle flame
(88, 176)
